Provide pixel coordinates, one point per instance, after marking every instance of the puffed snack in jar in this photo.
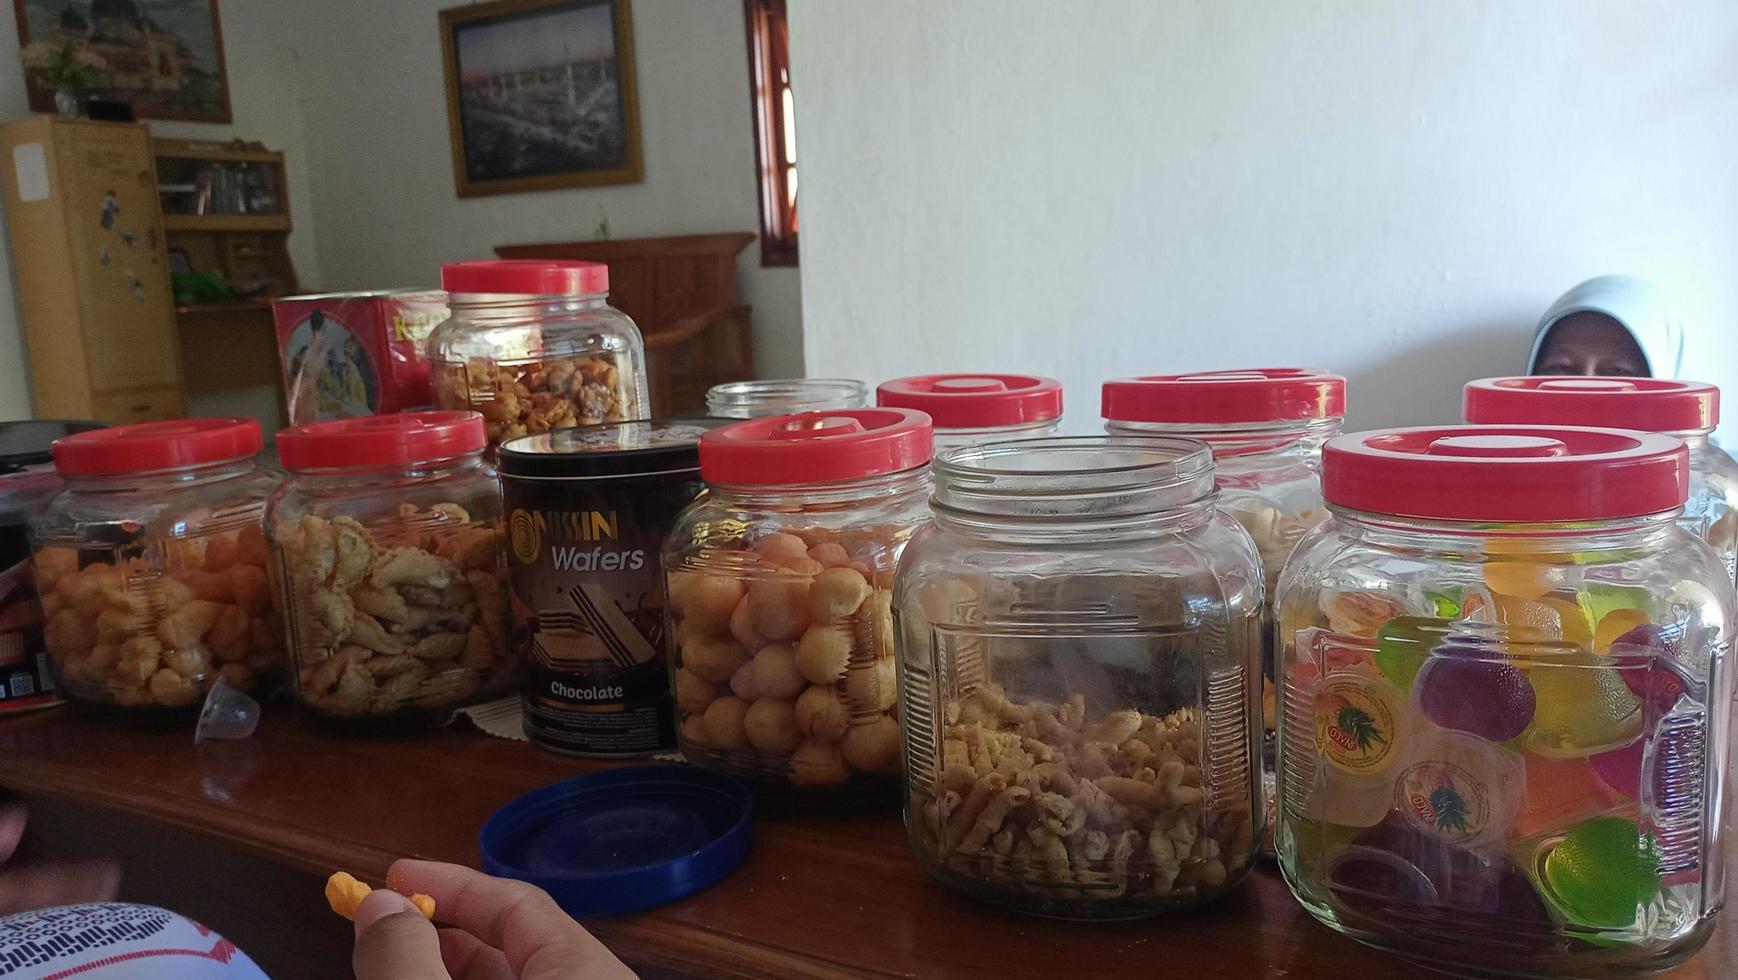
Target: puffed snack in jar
(398, 609)
(152, 566)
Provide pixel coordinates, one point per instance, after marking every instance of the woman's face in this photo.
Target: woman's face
(1590, 343)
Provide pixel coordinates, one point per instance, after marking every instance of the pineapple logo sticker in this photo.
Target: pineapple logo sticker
(1355, 725)
(1444, 800)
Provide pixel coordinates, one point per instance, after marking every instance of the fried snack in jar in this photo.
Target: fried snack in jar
(152, 566)
(779, 600)
(971, 408)
(1502, 693)
(388, 553)
(1079, 637)
(534, 346)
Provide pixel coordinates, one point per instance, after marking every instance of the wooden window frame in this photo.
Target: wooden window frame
(768, 74)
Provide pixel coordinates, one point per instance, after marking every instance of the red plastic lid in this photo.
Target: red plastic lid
(1222, 397)
(1506, 473)
(976, 401)
(381, 440)
(817, 447)
(526, 277)
(146, 446)
(1648, 404)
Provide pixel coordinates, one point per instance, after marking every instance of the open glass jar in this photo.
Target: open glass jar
(784, 396)
(1079, 643)
(1505, 702)
(1685, 409)
(534, 345)
(973, 408)
(779, 600)
(387, 548)
(152, 566)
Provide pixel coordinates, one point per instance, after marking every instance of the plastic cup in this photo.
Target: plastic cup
(228, 713)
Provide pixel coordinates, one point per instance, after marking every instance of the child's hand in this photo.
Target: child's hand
(499, 930)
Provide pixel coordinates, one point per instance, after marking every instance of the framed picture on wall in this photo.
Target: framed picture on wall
(164, 57)
(540, 95)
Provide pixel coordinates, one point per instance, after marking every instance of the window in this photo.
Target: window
(775, 131)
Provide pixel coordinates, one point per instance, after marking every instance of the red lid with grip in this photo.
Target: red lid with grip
(526, 277)
(147, 446)
(1227, 397)
(1506, 473)
(976, 401)
(1648, 404)
(381, 440)
(817, 447)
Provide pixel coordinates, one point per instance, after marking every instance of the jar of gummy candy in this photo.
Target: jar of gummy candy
(1686, 409)
(1266, 428)
(784, 396)
(974, 408)
(1080, 639)
(533, 345)
(152, 566)
(779, 600)
(1504, 697)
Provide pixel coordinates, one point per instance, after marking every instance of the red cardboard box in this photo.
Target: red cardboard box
(346, 355)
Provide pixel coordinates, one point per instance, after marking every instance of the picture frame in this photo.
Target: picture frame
(163, 57)
(541, 95)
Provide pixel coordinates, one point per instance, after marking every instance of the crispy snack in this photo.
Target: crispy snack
(402, 614)
(535, 396)
(344, 893)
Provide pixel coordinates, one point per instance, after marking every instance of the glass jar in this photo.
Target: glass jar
(1266, 428)
(1505, 702)
(153, 568)
(779, 600)
(1079, 637)
(758, 399)
(1685, 409)
(386, 541)
(971, 408)
(533, 346)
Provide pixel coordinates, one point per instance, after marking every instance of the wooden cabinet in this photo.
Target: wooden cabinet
(92, 271)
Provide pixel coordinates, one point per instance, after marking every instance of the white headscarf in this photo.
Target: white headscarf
(1637, 305)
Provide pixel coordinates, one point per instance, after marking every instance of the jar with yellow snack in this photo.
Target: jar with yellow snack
(153, 567)
(780, 600)
(1079, 645)
(533, 345)
(387, 548)
(1504, 697)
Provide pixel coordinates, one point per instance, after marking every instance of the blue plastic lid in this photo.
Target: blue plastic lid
(623, 840)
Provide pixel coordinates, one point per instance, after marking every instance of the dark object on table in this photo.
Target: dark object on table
(107, 110)
(624, 840)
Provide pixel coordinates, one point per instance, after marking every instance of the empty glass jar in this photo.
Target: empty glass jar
(533, 345)
(973, 408)
(1079, 643)
(1686, 409)
(785, 396)
(779, 600)
(1505, 699)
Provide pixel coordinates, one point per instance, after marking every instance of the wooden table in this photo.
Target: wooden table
(246, 831)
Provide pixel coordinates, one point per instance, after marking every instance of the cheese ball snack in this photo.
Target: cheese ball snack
(345, 894)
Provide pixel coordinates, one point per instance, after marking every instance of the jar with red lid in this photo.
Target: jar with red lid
(387, 546)
(780, 600)
(968, 409)
(1688, 410)
(152, 566)
(533, 345)
(1504, 702)
(1266, 428)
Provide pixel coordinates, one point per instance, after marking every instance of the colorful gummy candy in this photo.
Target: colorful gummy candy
(1403, 643)
(1602, 872)
(1470, 688)
(1580, 709)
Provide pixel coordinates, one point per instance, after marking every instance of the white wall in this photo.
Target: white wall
(263, 89)
(383, 186)
(1395, 190)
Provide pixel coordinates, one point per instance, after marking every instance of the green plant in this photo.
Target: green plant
(67, 68)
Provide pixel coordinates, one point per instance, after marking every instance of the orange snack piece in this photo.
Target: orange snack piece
(344, 893)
